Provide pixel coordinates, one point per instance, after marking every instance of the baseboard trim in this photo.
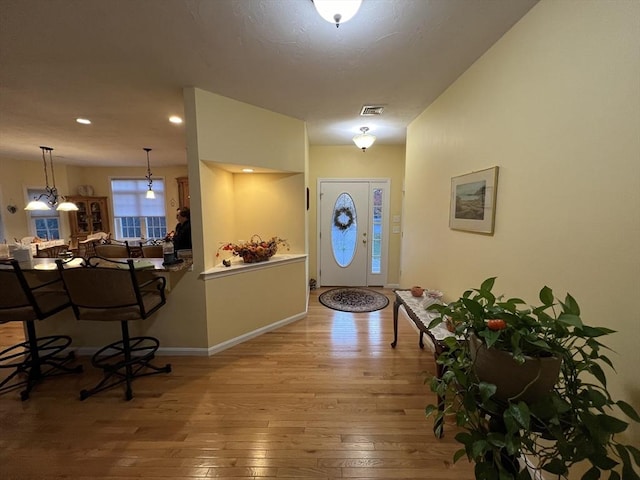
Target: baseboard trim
(208, 351)
(256, 333)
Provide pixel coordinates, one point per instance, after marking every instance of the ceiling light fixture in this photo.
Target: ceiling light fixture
(175, 119)
(51, 192)
(83, 121)
(364, 140)
(150, 193)
(337, 11)
(247, 170)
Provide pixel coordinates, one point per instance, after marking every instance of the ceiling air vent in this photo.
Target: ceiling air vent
(368, 110)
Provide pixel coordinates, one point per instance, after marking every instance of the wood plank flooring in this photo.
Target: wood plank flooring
(325, 397)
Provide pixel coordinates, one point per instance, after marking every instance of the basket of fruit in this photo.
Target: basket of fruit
(256, 249)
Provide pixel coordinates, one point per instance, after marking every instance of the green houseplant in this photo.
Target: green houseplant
(573, 419)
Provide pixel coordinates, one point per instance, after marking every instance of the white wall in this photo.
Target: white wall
(556, 104)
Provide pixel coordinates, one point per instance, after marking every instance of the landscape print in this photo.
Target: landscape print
(473, 201)
(470, 200)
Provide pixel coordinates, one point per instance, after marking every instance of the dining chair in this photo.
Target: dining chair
(87, 247)
(26, 300)
(113, 291)
(152, 251)
(112, 250)
(51, 252)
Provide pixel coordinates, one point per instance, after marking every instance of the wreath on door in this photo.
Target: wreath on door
(337, 218)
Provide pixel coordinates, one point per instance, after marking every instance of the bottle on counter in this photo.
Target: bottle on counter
(167, 252)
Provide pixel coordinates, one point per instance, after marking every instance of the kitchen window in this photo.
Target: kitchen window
(135, 216)
(44, 224)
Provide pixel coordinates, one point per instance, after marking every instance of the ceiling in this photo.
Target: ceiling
(123, 64)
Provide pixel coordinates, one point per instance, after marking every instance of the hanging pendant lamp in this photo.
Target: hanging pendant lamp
(51, 192)
(150, 193)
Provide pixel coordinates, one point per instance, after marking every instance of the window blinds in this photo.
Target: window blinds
(129, 198)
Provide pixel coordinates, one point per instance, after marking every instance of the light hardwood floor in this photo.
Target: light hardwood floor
(325, 397)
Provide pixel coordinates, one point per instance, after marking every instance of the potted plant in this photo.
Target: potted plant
(571, 419)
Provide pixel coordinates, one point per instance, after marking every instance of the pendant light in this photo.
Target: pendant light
(150, 193)
(51, 192)
(364, 140)
(337, 11)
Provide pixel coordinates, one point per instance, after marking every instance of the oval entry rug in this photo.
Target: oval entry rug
(353, 299)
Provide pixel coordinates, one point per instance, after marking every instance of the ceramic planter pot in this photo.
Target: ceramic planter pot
(417, 291)
(528, 382)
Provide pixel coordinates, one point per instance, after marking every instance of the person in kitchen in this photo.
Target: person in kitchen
(182, 237)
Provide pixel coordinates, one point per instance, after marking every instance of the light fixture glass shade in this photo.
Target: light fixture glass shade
(37, 205)
(67, 207)
(364, 140)
(337, 11)
(151, 195)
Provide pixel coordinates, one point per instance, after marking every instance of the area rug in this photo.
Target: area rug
(353, 299)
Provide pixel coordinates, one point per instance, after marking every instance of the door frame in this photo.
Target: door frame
(386, 233)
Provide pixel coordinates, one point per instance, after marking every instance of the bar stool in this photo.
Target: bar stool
(36, 358)
(108, 290)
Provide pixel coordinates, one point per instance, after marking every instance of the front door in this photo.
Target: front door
(353, 237)
(344, 228)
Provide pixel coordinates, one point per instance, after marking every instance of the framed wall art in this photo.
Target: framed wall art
(473, 201)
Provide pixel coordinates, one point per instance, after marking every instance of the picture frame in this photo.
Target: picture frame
(473, 201)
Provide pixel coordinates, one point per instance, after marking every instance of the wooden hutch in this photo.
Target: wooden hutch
(92, 216)
(183, 192)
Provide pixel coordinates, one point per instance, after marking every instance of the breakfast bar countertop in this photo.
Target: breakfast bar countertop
(139, 263)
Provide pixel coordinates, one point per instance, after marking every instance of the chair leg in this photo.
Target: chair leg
(29, 359)
(127, 358)
(123, 361)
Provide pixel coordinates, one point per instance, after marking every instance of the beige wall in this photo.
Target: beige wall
(380, 161)
(268, 205)
(243, 303)
(556, 104)
(218, 201)
(235, 204)
(233, 132)
(229, 207)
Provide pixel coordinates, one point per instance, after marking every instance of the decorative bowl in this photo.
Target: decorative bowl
(417, 291)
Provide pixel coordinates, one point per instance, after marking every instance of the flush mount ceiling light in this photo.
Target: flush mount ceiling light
(83, 121)
(175, 119)
(51, 192)
(337, 11)
(364, 140)
(150, 193)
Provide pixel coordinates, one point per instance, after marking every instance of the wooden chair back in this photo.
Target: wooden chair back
(111, 250)
(152, 251)
(51, 252)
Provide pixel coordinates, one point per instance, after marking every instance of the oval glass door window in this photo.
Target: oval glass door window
(344, 231)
